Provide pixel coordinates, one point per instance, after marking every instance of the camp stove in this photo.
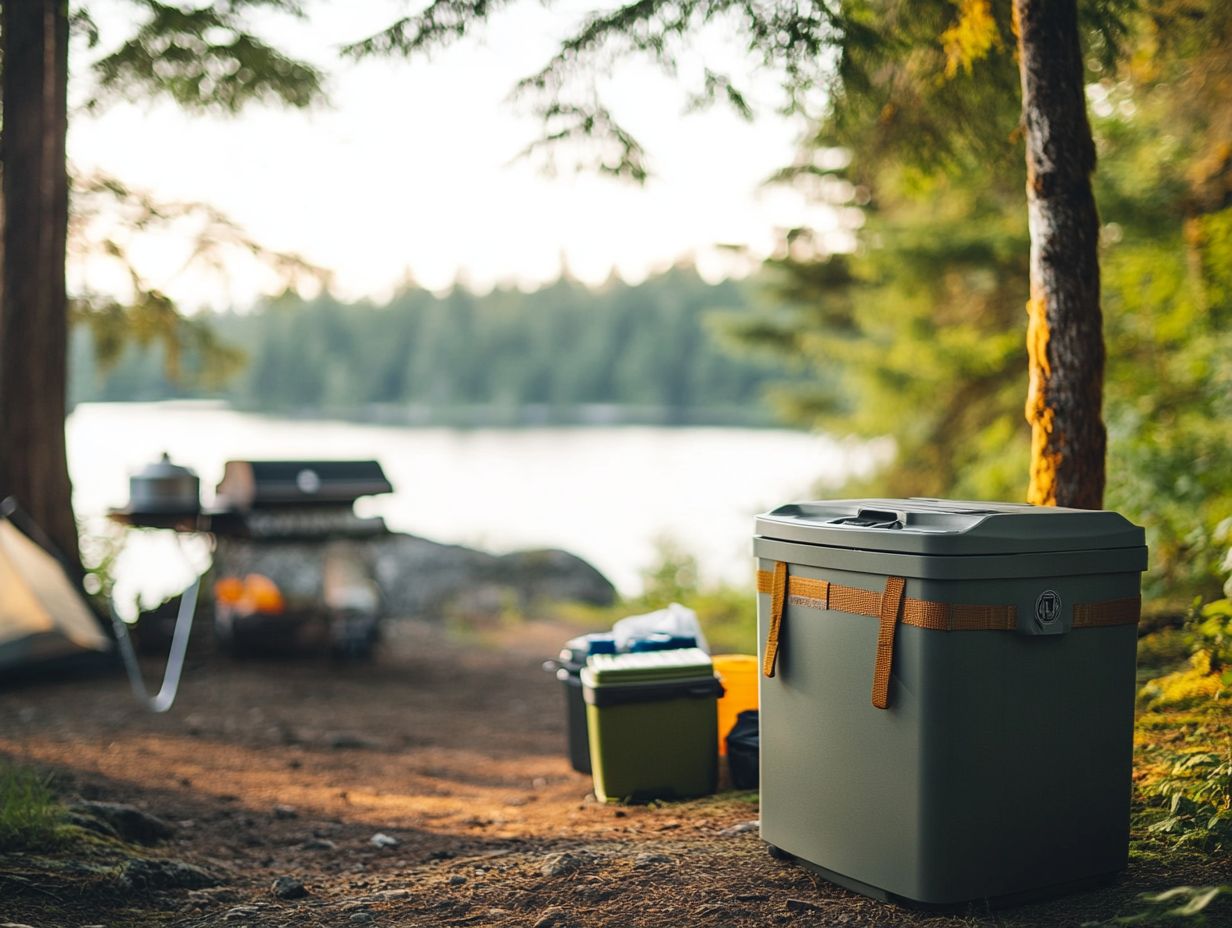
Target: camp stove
(288, 527)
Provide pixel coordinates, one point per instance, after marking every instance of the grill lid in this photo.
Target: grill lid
(255, 484)
(946, 527)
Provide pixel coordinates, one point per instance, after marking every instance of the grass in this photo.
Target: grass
(30, 816)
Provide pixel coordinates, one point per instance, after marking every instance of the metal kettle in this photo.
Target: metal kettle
(164, 487)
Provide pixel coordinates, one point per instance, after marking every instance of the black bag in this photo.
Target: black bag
(743, 747)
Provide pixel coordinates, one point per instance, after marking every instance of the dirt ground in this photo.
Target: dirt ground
(453, 747)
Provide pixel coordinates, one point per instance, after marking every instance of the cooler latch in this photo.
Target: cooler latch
(874, 518)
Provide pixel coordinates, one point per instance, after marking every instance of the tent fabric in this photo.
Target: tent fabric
(42, 615)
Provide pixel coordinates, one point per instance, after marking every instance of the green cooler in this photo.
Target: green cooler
(653, 724)
(947, 695)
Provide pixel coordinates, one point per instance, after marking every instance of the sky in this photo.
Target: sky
(410, 172)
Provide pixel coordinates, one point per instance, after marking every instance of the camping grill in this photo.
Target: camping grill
(292, 526)
(285, 500)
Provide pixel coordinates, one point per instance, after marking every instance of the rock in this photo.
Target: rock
(125, 821)
(140, 874)
(90, 823)
(651, 860)
(553, 916)
(419, 577)
(382, 840)
(593, 893)
(288, 887)
(567, 862)
(392, 894)
(802, 905)
(551, 575)
(741, 829)
(457, 880)
(319, 844)
(362, 918)
(285, 812)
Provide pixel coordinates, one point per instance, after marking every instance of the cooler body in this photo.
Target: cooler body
(652, 723)
(1000, 764)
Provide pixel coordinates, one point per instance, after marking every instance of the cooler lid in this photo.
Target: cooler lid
(647, 666)
(947, 527)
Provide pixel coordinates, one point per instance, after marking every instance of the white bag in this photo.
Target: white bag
(674, 620)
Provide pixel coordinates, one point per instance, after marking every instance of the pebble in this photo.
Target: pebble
(802, 905)
(285, 812)
(551, 917)
(288, 887)
(457, 880)
(380, 839)
(362, 918)
(394, 894)
(742, 828)
(319, 844)
(567, 862)
(651, 860)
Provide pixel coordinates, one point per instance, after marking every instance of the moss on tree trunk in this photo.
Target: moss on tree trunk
(1065, 328)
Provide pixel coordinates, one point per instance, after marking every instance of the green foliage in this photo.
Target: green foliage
(1198, 793)
(562, 353)
(918, 332)
(1181, 905)
(204, 57)
(29, 814)
(1186, 751)
(672, 578)
(798, 41)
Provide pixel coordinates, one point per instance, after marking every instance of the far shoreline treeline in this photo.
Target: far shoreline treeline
(566, 354)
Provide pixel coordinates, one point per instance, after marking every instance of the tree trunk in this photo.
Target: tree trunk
(34, 309)
(1065, 342)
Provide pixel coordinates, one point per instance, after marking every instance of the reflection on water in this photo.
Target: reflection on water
(604, 493)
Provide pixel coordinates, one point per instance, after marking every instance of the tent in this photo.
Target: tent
(43, 617)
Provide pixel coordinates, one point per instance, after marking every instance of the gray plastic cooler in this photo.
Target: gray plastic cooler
(947, 694)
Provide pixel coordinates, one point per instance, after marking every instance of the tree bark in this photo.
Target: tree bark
(1065, 343)
(34, 308)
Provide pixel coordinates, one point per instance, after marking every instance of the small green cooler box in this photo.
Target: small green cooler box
(947, 694)
(653, 724)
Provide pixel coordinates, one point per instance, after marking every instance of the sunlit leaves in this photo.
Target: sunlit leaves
(972, 37)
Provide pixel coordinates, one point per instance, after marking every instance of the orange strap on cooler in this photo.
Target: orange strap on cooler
(921, 613)
(1111, 612)
(777, 588)
(891, 607)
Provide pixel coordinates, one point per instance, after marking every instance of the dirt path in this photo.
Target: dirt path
(455, 751)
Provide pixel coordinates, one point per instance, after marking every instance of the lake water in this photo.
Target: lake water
(606, 494)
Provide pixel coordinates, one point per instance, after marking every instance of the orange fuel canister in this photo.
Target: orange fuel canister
(739, 675)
